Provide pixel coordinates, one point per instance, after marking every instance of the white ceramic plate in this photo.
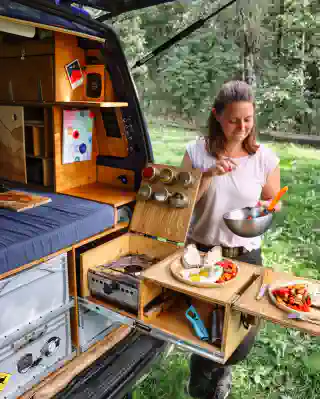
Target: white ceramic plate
(177, 270)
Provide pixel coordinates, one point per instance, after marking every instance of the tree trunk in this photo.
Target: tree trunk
(280, 30)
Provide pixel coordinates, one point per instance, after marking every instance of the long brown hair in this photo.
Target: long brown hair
(230, 92)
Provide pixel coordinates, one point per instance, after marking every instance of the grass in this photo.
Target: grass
(284, 363)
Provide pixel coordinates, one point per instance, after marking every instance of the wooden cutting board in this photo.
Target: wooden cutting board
(19, 201)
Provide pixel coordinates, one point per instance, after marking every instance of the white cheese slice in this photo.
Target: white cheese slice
(213, 256)
(191, 257)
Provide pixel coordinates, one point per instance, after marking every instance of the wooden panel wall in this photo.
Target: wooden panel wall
(111, 146)
(66, 51)
(12, 144)
(110, 176)
(75, 174)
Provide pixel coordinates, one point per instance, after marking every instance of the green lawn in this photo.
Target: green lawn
(284, 364)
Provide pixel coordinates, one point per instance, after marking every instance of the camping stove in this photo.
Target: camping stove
(119, 281)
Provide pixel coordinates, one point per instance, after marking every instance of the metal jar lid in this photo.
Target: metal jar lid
(179, 200)
(186, 178)
(150, 173)
(167, 175)
(162, 195)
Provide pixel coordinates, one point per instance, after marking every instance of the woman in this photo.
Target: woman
(236, 173)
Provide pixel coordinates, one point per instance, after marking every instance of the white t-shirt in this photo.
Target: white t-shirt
(237, 189)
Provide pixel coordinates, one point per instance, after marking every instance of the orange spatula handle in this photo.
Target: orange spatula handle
(277, 198)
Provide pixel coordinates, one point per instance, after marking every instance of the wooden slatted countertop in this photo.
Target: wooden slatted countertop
(161, 274)
(267, 310)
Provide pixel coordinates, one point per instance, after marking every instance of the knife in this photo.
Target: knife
(266, 280)
(310, 319)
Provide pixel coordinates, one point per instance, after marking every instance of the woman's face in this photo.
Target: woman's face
(237, 120)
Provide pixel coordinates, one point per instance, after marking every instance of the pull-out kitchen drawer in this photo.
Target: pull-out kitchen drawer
(170, 322)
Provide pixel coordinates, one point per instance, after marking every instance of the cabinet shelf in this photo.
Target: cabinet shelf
(86, 104)
(39, 157)
(174, 321)
(101, 192)
(93, 104)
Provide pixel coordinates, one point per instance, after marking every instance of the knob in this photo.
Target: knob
(107, 289)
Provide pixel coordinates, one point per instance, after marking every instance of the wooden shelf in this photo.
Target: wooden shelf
(161, 274)
(174, 322)
(100, 192)
(34, 123)
(86, 104)
(93, 104)
(39, 157)
(53, 28)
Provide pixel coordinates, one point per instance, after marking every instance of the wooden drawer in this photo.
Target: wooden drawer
(170, 322)
(30, 79)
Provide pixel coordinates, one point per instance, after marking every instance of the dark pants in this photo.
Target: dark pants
(201, 368)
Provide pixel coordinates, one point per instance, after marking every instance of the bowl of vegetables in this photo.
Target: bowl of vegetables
(248, 222)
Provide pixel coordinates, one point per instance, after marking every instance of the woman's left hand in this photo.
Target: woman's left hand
(265, 204)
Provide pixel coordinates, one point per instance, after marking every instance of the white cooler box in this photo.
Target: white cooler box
(33, 293)
(35, 354)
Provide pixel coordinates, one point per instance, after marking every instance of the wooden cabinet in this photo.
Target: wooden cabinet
(27, 80)
(35, 71)
(26, 48)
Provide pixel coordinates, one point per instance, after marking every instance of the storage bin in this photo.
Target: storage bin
(32, 293)
(34, 354)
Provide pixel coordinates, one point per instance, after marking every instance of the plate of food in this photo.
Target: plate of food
(298, 296)
(204, 269)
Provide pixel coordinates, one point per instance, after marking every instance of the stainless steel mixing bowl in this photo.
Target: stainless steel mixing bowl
(239, 224)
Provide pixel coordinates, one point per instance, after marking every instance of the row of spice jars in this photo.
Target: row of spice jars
(176, 199)
(167, 176)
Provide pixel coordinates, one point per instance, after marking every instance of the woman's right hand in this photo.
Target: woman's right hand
(222, 167)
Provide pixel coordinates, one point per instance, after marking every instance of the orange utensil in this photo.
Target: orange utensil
(277, 199)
